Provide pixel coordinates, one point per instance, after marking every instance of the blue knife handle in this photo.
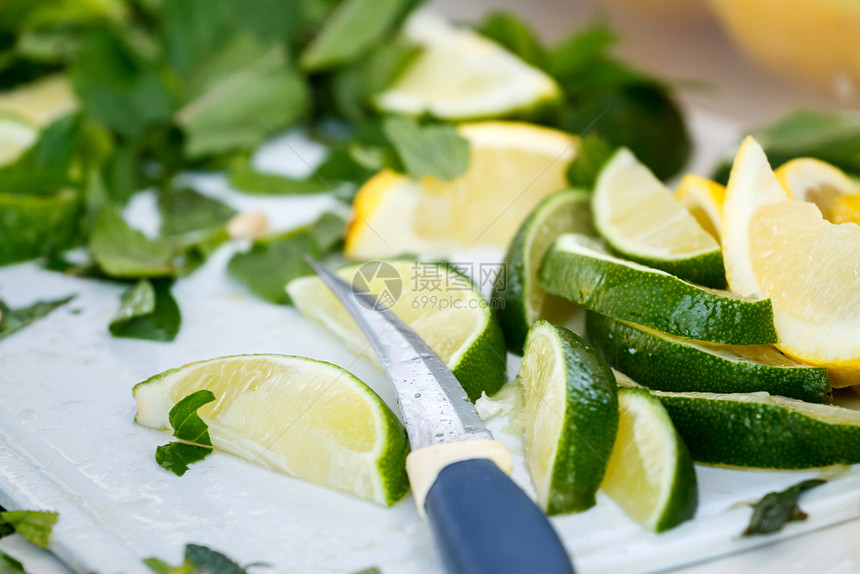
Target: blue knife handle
(485, 524)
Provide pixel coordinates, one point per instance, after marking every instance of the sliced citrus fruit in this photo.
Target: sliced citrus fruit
(669, 363)
(571, 415)
(519, 298)
(512, 166)
(846, 208)
(824, 184)
(784, 249)
(703, 198)
(577, 268)
(638, 217)
(650, 473)
(759, 430)
(41, 101)
(437, 301)
(16, 136)
(460, 75)
(306, 418)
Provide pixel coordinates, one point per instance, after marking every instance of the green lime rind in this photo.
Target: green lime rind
(517, 295)
(392, 461)
(641, 221)
(476, 370)
(590, 416)
(759, 430)
(680, 495)
(33, 226)
(669, 363)
(579, 270)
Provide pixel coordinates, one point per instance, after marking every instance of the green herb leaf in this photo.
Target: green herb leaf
(199, 560)
(355, 26)
(12, 320)
(275, 261)
(436, 150)
(34, 525)
(147, 311)
(575, 56)
(44, 168)
(513, 33)
(249, 180)
(371, 570)
(124, 252)
(593, 152)
(9, 565)
(773, 511)
(189, 428)
(189, 215)
(244, 94)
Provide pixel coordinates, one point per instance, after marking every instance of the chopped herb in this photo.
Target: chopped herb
(371, 570)
(147, 311)
(123, 252)
(250, 181)
(200, 560)
(516, 35)
(773, 511)
(189, 428)
(12, 320)
(9, 565)
(185, 213)
(436, 150)
(34, 525)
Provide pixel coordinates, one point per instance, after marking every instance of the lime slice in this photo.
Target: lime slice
(759, 430)
(578, 269)
(460, 75)
(517, 295)
(669, 363)
(16, 136)
(703, 198)
(306, 418)
(570, 414)
(512, 166)
(435, 300)
(34, 225)
(650, 473)
(784, 249)
(638, 217)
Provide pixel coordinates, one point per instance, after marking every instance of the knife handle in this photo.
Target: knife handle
(485, 524)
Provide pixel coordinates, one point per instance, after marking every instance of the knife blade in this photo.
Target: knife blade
(482, 521)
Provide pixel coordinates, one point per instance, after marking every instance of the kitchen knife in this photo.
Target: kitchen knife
(483, 522)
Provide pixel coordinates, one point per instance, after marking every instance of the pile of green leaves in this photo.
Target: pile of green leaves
(170, 86)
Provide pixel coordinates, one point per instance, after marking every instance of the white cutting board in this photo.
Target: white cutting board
(68, 442)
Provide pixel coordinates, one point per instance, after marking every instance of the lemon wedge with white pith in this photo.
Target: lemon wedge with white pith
(825, 185)
(512, 166)
(306, 418)
(435, 300)
(703, 198)
(639, 218)
(784, 249)
(460, 75)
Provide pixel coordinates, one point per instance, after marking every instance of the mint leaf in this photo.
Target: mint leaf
(34, 525)
(9, 565)
(199, 560)
(514, 34)
(371, 570)
(12, 320)
(355, 26)
(189, 428)
(124, 252)
(147, 311)
(275, 261)
(436, 150)
(248, 180)
(592, 154)
(773, 511)
(244, 94)
(187, 214)
(44, 168)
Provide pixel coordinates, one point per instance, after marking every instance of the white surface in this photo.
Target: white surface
(68, 443)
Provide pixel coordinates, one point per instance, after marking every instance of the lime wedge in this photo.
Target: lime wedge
(517, 295)
(435, 300)
(306, 418)
(460, 76)
(669, 363)
(578, 269)
(759, 430)
(640, 219)
(650, 473)
(570, 417)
